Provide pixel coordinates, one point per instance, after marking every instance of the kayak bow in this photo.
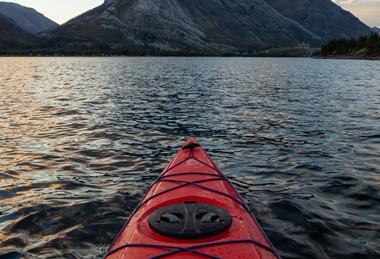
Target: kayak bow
(192, 211)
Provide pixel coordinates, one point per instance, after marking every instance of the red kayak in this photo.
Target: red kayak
(192, 211)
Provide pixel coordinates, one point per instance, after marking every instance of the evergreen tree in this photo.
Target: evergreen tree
(366, 46)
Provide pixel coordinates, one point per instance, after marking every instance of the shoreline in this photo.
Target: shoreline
(340, 57)
(295, 52)
(148, 56)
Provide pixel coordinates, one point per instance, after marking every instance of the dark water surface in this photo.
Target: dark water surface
(82, 138)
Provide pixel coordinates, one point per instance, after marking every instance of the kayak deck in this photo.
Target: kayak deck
(192, 177)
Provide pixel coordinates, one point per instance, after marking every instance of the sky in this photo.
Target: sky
(62, 10)
(366, 10)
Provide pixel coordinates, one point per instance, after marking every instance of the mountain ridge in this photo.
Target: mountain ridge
(212, 25)
(13, 36)
(322, 17)
(206, 27)
(27, 18)
(184, 25)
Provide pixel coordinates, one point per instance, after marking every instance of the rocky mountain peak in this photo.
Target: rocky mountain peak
(206, 26)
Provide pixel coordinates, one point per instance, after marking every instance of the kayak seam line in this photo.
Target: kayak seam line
(273, 251)
(188, 173)
(179, 163)
(215, 169)
(177, 187)
(190, 249)
(188, 158)
(182, 249)
(195, 184)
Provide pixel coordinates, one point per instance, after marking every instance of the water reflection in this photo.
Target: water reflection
(82, 138)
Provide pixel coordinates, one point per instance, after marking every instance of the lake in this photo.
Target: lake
(82, 138)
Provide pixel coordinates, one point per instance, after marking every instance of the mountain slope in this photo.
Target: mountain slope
(322, 17)
(27, 18)
(13, 36)
(183, 25)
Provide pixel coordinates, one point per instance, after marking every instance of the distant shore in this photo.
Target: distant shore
(100, 52)
(349, 57)
(340, 57)
(365, 48)
(295, 52)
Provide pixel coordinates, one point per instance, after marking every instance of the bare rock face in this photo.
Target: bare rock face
(207, 25)
(184, 25)
(322, 17)
(26, 18)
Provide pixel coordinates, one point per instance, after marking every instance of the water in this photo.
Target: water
(82, 138)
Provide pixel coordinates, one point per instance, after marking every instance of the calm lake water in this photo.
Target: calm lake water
(82, 138)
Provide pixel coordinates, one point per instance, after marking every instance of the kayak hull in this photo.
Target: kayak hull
(192, 177)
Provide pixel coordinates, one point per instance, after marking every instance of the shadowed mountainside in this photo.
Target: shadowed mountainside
(12, 36)
(27, 18)
(197, 27)
(177, 25)
(322, 17)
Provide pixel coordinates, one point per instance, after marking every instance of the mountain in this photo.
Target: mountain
(12, 36)
(322, 17)
(192, 26)
(183, 25)
(27, 18)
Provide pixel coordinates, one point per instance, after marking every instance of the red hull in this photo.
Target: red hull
(243, 239)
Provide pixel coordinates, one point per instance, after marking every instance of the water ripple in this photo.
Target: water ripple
(82, 138)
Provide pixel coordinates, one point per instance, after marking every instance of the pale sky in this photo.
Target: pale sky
(366, 10)
(62, 10)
